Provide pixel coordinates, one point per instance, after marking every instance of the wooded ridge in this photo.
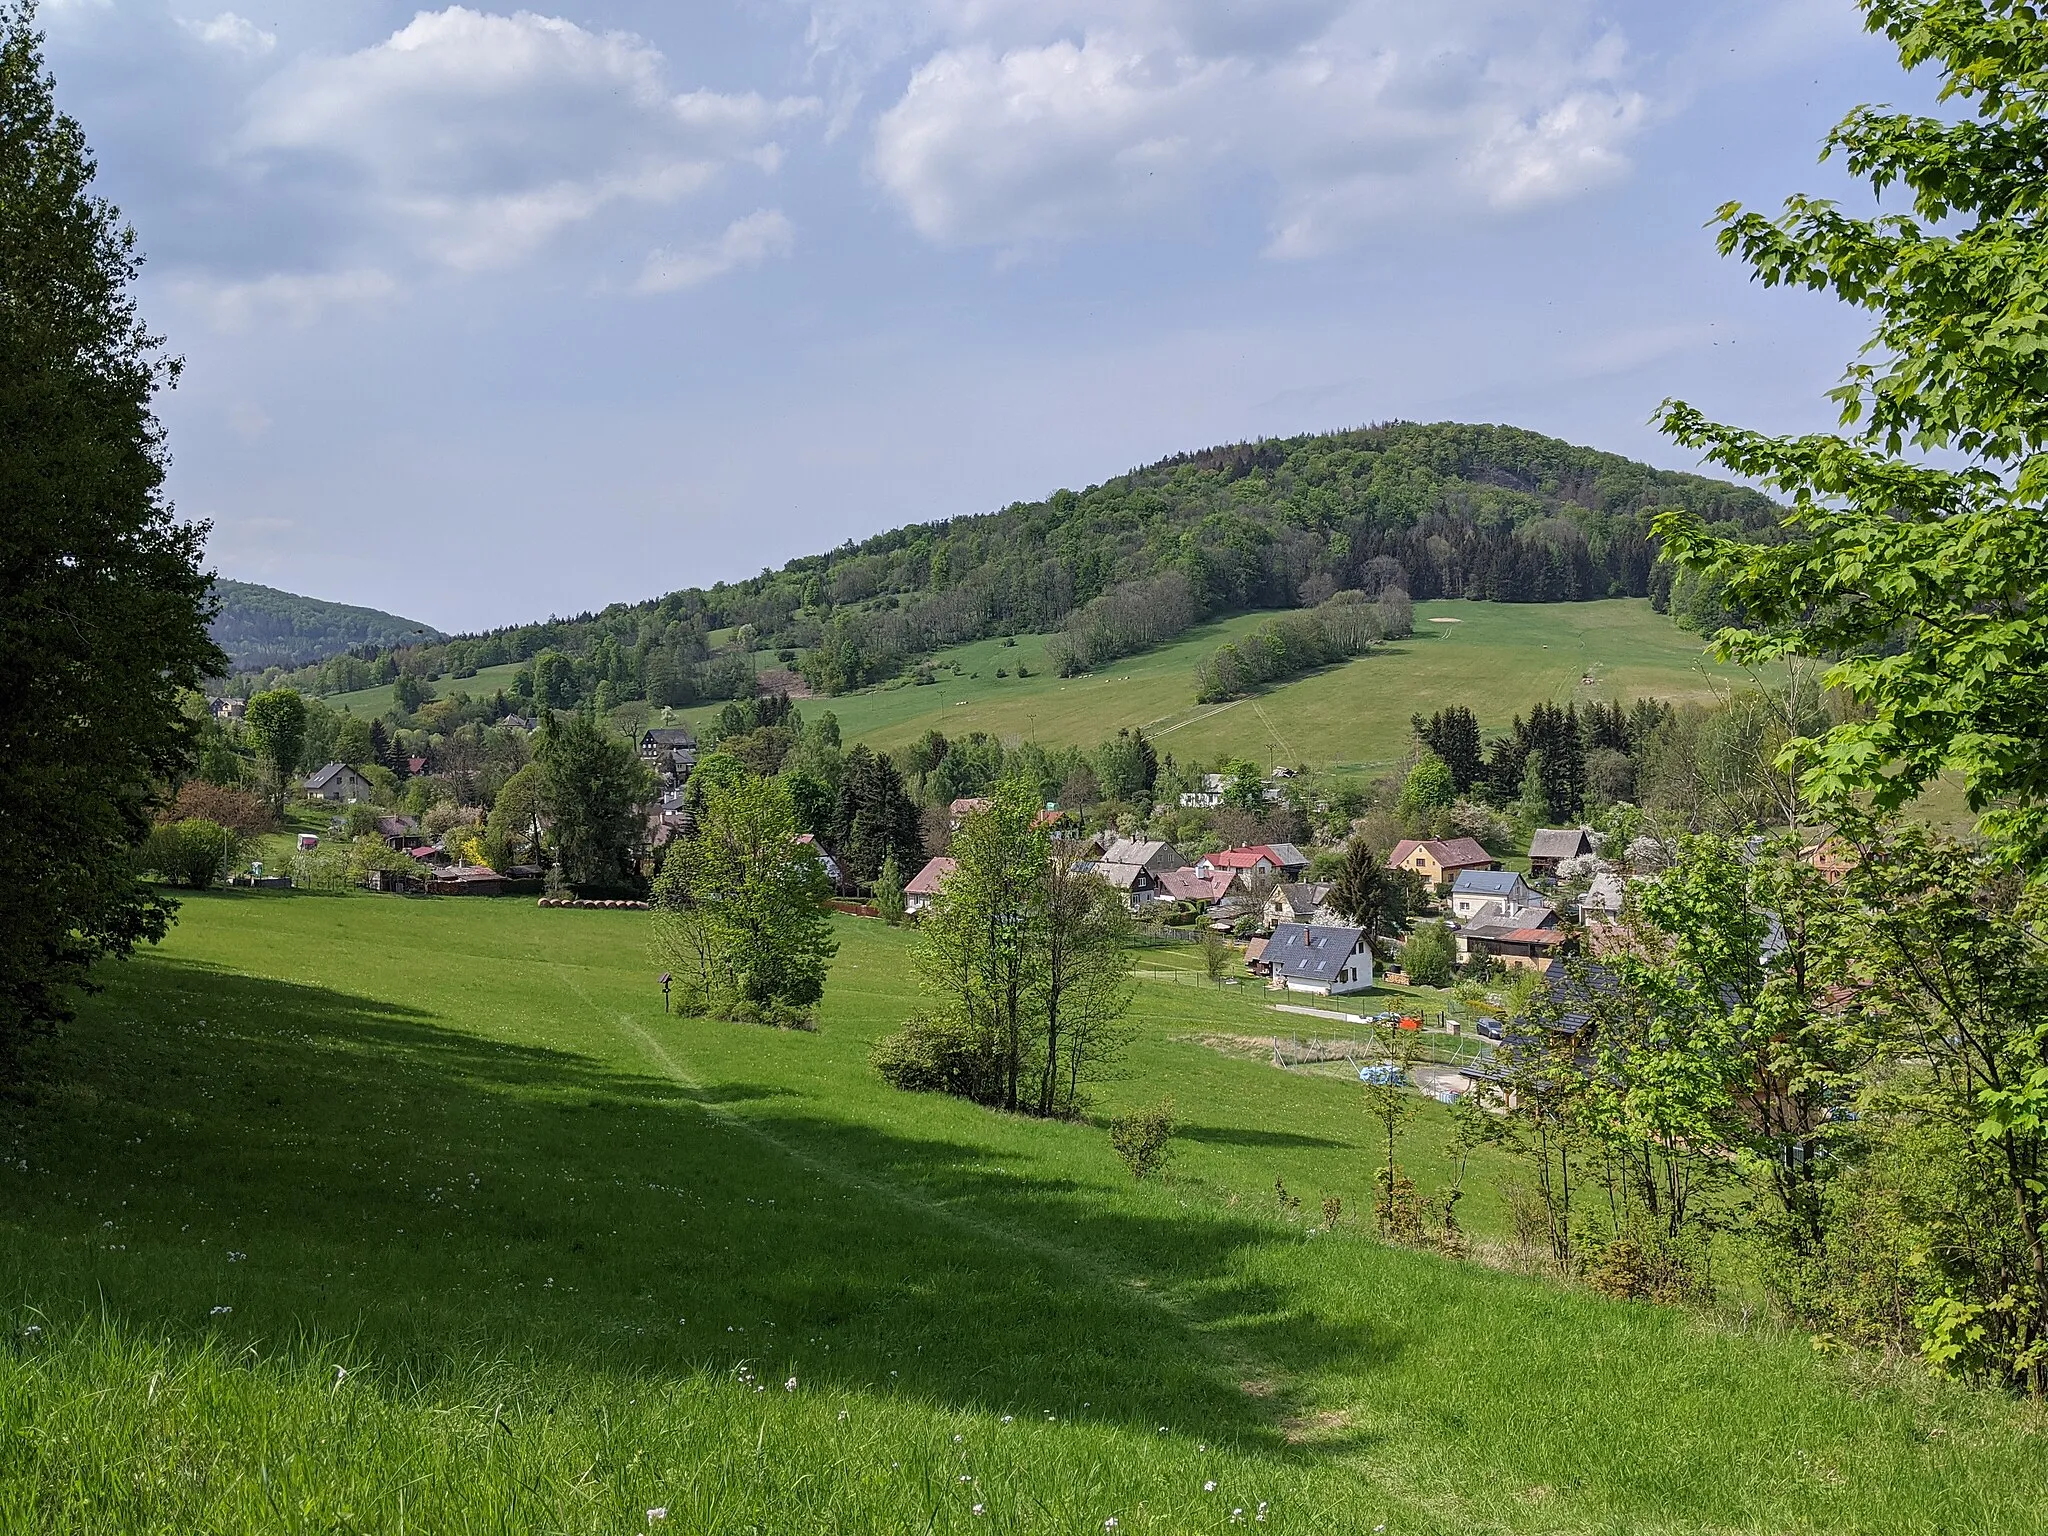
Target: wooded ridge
(1445, 510)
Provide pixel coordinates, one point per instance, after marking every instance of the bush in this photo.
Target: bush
(1429, 955)
(193, 852)
(1143, 1138)
(927, 1056)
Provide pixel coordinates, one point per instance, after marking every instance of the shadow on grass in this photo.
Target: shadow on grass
(335, 1166)
(1242, 1136)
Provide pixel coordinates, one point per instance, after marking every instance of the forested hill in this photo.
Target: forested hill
(1446, 510)
(263, 627)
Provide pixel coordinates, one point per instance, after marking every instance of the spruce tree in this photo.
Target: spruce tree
(103, 605)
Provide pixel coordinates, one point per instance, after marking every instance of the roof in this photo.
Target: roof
(397, 826)
(1532, 936)
(1151, 854)
(1186, 885)
(1314, 954)
(967, 805)
(668, 736)
(1302, 897)
(1486, 882)
(1254, 951)
(1559, 843)
(1282, 855)
(1449, 853)
(1537, 916)
(928, 880)
(328, 775)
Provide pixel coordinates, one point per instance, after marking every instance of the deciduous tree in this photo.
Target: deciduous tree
(103, 605)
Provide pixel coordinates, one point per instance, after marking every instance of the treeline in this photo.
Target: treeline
(1348, 625)
(1441, 510)
(1705, 766)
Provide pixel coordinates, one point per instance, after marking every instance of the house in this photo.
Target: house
(1438, 860)
(670, 751)
(1301, 957)
(1521, 937)
(1483, 892)
(963, 808)
(831, 864)
(415, 766)
(1208, 793)
(1191, 885)
(1832, 857)
(228, 709)
(1299, 902)
(923, 889)
(338, 784)
(402, 833)
(1550, 847)
(1255, 958)
(1279, 861)
(1135, 868)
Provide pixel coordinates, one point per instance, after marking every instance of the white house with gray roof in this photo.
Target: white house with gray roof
(1482, 892)
(1303, 957)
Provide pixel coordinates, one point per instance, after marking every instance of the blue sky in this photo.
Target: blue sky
(494, 314)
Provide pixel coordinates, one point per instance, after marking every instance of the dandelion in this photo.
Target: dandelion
(1209, 1486)
(789, 1385)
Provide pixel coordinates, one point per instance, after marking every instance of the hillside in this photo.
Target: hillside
(360, 1214)
(263, 627)
(1496, 659)
(1448, 510)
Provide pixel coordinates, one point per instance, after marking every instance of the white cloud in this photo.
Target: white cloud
(471, 139)
(746, 242)
(235, 33)
(1028, 124)
(286, 299)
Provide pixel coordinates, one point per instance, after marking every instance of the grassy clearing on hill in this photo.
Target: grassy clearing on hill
(1498, 659)
(370, 1214)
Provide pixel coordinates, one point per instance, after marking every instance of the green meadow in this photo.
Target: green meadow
(1495, 658)
(375, 1214)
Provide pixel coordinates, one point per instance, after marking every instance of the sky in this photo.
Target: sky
(489, 315)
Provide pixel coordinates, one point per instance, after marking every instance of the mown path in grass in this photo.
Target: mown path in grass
(501, 1248)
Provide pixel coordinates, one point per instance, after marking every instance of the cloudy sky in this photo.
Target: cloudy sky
(494, 314)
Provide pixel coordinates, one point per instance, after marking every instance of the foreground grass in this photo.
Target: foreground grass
(365, 1214)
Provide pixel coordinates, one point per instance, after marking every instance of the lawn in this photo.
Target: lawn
(354, 1214)
(1496, 658)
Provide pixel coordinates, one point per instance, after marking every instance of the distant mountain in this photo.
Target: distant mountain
(263, 627)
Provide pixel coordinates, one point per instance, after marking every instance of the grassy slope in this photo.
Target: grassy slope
(454, 1150)
(1498, 659)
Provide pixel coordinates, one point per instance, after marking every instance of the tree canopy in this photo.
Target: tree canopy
(1919, 549)
(103, 605)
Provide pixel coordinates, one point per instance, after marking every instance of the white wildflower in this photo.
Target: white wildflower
(1209, 1486)
(659, 1513)
(789, 1385)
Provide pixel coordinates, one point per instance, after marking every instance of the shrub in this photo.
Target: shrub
(193, 852)
(929, 1056)
(1143, 1138)
(1429, 955)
